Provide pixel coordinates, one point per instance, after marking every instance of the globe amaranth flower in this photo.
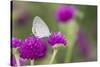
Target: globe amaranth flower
(14, 63)
(57, 38)
(64, 13)
(83, 43)
(15, 42)
(33, 48)
(23, 18)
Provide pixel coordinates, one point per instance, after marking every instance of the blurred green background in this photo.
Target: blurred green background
(22, 18)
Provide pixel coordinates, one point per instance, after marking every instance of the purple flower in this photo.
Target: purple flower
(15, 42)
(33, 48)
(57, 38)
(83, 43)
(23, 18)
(65, 13)
(13, 61)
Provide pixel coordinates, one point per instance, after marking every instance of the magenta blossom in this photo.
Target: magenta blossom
(83, 43)
(57, 38)
(64, 13)
(23, 18)
(16, 42)
(33, 48)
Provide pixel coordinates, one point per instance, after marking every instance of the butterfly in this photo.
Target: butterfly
(40, 28)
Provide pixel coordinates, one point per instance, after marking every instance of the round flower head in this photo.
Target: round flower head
(33, 48)
(23, 18)
(57, 38)
(15, 42)
(65, 13)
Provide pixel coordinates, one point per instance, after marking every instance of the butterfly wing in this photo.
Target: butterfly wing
(40, 28)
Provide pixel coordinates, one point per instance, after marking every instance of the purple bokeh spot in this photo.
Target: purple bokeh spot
(64, 13)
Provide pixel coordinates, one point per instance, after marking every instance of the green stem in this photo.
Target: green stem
(69, 53)
(70, 29)
(17, 60)
(16, 55)
(72, 39)
(32, 62)
(53, 56)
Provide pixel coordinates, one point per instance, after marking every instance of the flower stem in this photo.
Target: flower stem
(16, 55)
(17, 60)
(69, 53)
(32, 62)
(53, 56)
(70, 29)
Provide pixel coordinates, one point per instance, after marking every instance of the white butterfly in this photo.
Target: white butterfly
(40, 28)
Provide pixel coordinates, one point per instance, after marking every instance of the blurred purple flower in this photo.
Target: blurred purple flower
(15, 42)
(13, 61)
(57, 38)
(33, 48)
(65, 12)
(23, 18)
(83, 43)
